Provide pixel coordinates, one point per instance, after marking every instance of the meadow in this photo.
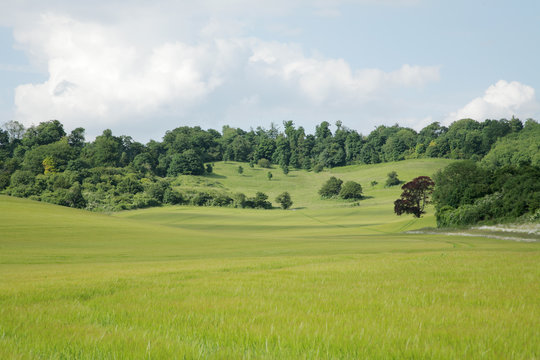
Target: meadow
(327, 279)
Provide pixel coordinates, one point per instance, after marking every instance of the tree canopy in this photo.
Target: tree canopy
(415, 196)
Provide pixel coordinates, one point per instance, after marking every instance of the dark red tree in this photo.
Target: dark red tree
(415, 196)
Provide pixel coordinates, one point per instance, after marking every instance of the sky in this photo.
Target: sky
(141, 68)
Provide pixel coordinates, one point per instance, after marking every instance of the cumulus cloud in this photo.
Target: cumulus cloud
(99, 76)
(178, 62)
(501, 100)
(333, 79)
(96, 74)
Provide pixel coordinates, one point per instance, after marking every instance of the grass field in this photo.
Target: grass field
(325, 280)
(303, 186)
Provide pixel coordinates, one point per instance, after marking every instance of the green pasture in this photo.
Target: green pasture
(324, 280)
(303, 186)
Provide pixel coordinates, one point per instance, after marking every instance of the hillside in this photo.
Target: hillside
(303, 185)
(324, 280)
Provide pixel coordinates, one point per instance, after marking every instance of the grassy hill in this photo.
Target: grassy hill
(324, 280)
(303, 186)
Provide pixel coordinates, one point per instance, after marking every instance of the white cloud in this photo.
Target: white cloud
(100, 76)
(333, 80)
(96, 74)
(501, 100)
(155, 65)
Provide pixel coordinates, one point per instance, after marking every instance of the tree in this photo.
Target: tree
(45, 133)
(205, 143)
(76, 137)
(15, 130)
(186, 163)
(49, 165)
(331, 188)
(74, 197)
(392, 179)
(399, 144)
(415, 196)
(260, 201)
(351, 190)
(240, 148)
(129, 185)
(265, 148)
(240, 170)
(515, 149)
(106, 150)
(332, 155)
(284, 199)
(460, 183)
(269, 175)
(59, 151)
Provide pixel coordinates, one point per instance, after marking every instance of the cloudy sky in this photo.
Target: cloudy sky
(143, 67)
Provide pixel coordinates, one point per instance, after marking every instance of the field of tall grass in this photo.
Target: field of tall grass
(323, 280)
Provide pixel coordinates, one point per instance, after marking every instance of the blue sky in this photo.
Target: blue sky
(141, 68)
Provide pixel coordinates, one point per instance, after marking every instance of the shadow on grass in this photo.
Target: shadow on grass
(215, 176)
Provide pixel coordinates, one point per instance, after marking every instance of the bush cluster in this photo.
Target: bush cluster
(333, 188)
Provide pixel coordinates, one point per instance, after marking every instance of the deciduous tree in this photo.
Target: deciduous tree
(415, 196)
(331, 187)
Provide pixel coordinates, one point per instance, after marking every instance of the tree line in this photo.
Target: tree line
(504, 186)
(115, 172)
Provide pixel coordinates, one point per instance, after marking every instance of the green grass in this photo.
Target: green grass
(327, 280)
(303, 186)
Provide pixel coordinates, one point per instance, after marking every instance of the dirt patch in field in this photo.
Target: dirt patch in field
(519, 232)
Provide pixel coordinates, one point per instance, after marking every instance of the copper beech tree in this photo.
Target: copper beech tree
(415, 196)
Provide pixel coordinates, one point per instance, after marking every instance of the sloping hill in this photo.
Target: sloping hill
(327, 280)
(303, 186)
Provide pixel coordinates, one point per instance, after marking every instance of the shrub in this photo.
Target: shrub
(318, 168)
(239, 200)
(331, 188)
(144, 200)
(156, 190)
(284, 199)
(4, 180)
(23, 184)
(260, 201)
(351, 190)
(172, 197)
(22, 177)
(130, 185)
(222, 200)
(392, 179)
(264, 163)
(202, 199)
